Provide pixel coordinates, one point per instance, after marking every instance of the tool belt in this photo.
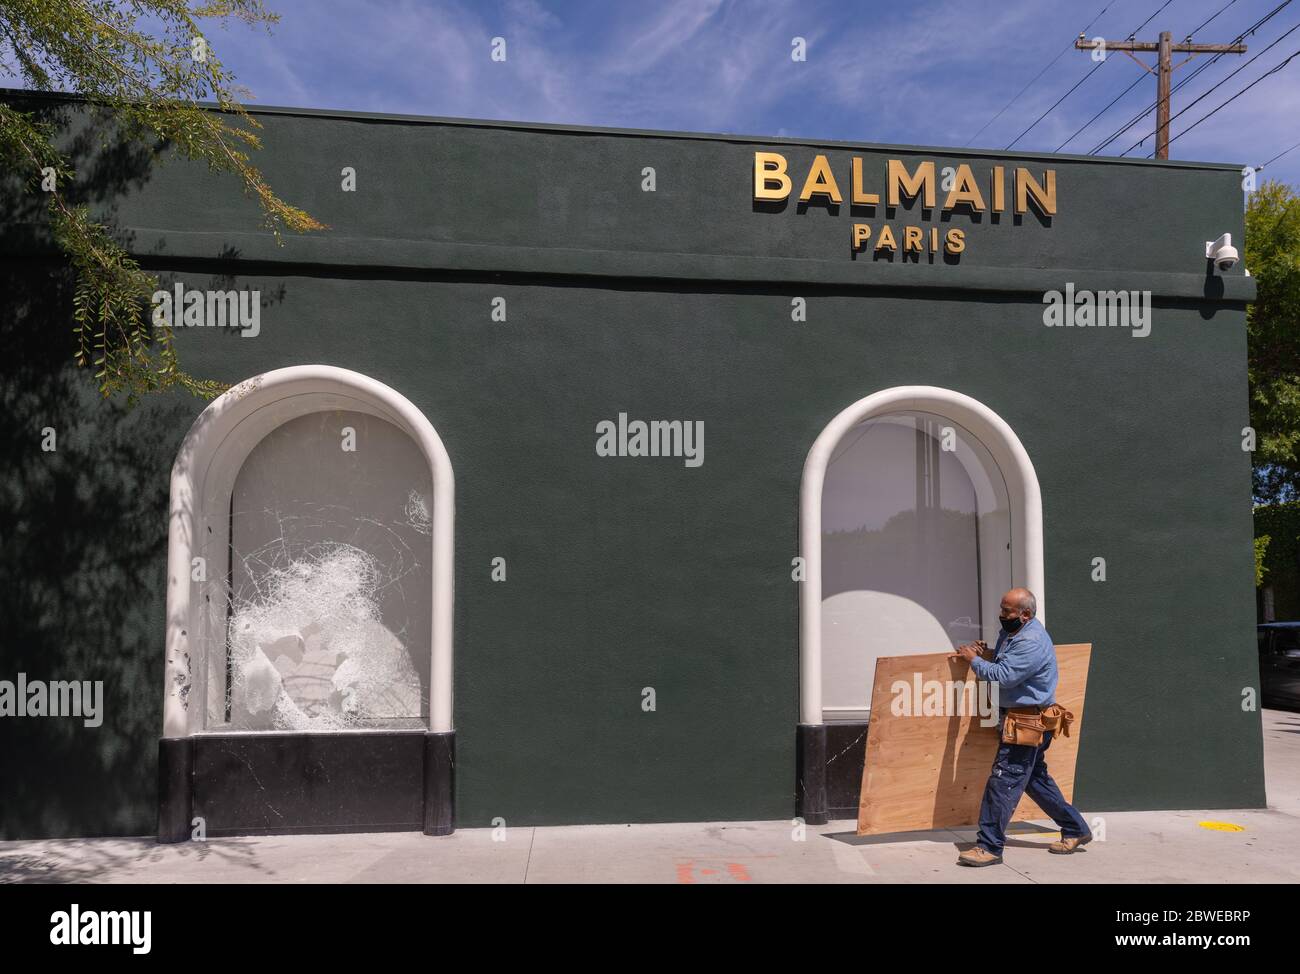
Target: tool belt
(1027, 725)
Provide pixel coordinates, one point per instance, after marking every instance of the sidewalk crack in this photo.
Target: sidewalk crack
(531, 839)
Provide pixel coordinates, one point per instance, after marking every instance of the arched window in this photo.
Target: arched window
(919, 508)
(330, 581)
(309, 561)
(916, 549)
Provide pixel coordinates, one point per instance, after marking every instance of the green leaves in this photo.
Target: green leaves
(1273, 335)
(1261, 553)
(139, 60)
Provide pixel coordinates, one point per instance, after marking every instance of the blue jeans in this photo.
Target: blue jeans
(1021, 769)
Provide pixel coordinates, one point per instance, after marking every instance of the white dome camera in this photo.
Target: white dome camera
(1222, 252)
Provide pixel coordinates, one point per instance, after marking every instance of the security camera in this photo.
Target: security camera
(1222, 252)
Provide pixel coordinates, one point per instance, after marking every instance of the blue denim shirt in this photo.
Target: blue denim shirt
(1024, 667)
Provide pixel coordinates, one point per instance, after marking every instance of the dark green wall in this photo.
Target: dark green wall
(634, 572)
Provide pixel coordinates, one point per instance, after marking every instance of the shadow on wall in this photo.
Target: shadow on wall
(83, 535)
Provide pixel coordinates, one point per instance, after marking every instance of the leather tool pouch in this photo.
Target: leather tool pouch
(1023, 725)
(1057, 719)
(1027, 725)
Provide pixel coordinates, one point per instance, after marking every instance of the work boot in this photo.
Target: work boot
(978, 856)
(1063, 847)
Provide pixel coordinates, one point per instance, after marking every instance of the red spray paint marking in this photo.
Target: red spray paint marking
(692, 871)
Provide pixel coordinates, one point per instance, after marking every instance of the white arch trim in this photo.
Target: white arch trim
(1001, 442)
(202, 480)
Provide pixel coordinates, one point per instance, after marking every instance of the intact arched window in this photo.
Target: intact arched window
(919, 509)
(916, 549)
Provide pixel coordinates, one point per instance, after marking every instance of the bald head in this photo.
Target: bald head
(1019, 600)
(1018, 607)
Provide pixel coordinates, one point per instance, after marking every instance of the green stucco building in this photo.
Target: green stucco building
(423, 568)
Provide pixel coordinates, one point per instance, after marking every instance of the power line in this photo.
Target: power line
(1035, 78)
(1057, 102)
(1094, 118)
(1140, 79)
(1083, 79)
(1164, 48)
(1193, 31)
(1151, 18)
(1278, 156)
(1187, 80)
(1272, 71)
(1217, 84)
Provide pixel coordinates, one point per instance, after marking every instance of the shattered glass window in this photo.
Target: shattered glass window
(328, 624)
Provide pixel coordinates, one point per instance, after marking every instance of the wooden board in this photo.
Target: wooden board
(926, 773)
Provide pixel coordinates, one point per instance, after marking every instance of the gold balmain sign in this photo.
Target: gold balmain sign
(962, 193)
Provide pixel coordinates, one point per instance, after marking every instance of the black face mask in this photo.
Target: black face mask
(1011, 626)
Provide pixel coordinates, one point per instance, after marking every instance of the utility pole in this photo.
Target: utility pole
(1164, 51)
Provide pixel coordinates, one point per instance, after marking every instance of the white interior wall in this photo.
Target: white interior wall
(915, 549)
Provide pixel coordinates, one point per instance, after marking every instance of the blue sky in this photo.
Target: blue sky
(929, 72)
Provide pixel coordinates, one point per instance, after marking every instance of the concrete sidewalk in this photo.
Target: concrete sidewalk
(1139, 847)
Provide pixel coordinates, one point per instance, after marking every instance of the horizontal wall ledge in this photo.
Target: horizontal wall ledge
(406, 257)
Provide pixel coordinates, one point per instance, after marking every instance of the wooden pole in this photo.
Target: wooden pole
(1164, 69)
(1164, 49)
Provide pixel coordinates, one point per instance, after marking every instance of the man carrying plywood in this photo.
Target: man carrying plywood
(1023, 665)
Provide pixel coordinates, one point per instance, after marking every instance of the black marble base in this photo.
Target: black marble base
(828, 775)
(287, 784)
(810, 773)
(439, 783)
(175, 771)
(846, 753)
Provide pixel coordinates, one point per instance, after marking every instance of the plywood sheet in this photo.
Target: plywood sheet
(926, 773)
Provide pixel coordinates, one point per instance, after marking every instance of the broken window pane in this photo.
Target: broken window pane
(328, 625)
